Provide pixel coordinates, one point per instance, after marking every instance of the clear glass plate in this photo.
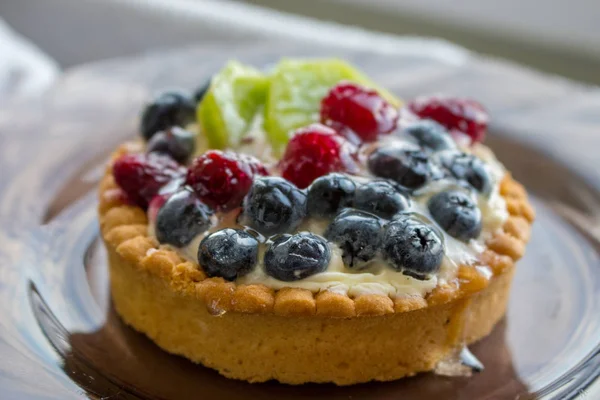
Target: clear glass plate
(60, 338)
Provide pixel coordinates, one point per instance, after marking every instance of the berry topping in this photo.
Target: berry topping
(181, 218)
(468, 168)
(175, 142)
(222, 179)
(228, 253)
(430, 135)
(463, 115)
(346, 132)
(314, 151)
(412, 247)
(456, 213)
(408, 167)
(296, 89)
(294, 257)
(274, 205)
(358, 234)
(329, 194)
(155, 204)
(142, 176)
(256, 166)
(381, 198)
(361, 109)
(170, 188)
(167, 110)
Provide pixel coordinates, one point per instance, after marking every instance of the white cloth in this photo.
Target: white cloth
(24, 69)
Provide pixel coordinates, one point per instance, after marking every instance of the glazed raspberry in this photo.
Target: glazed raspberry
(142, 176)
(360, 109)
(255, 165)
(456, 114)
(346, 132)
(314, 151)
(222, 179)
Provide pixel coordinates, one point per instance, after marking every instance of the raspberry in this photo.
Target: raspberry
(456, 114)
(257, 168)
(360, 109)
(222, 179)
(314, 151)
(142, 176)
(344, 131)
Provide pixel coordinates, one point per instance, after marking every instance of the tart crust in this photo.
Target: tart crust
(255, 333)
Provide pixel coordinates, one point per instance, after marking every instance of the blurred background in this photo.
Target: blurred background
(40, 38)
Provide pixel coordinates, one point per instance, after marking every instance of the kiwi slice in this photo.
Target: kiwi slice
(295, 92)
(233, 98)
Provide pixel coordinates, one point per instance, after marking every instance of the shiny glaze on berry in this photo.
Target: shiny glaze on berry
(171, 108)
(222, 179)
(314, 151)
(181, 218)
(142, 176)
(360, 109)
(176, 142)
(274, 205)
(228, 253)
(456, 114)
(295, 257)
(413, 247)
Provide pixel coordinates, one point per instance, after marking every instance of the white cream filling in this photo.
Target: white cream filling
(379, 278)
(341, 280)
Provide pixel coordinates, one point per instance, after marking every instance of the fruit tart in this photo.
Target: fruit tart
(304, 225)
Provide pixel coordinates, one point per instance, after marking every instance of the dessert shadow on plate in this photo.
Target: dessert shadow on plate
(554, 291)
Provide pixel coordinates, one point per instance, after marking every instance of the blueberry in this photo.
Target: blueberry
(274, 205)
(381, 198)
(456, 213)
(168, 109)
(408, 167)
(430, 135)
(228, 253)
(468, 168)
(181, 218)
(329, 194)
(294, 257)
(201, 91)
(175, 142)
(413, 247)
(358, 234)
